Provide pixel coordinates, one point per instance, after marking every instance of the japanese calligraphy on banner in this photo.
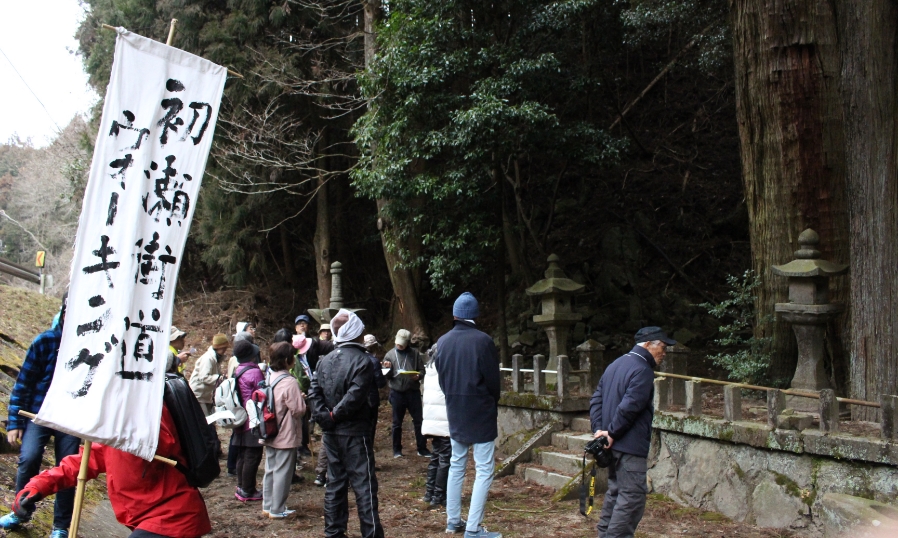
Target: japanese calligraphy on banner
(155, 134)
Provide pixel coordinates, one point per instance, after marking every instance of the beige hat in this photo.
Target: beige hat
(402, 337)
(324, 327)
(175, 333)
(370, 340)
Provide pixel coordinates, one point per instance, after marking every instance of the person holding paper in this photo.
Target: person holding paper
(27, 395)
(405, 374)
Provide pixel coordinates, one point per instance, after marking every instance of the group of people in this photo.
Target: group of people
(332, 380)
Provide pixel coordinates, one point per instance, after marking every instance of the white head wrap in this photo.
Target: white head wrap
(350, 330)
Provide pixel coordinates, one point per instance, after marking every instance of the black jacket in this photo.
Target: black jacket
(467, 362)
(622, 403)
(340, 391)
(408, 359)
(317, 350)
(379, 382)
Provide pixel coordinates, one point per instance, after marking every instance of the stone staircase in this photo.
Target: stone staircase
(558, 462)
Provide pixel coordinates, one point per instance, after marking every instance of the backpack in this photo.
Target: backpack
(262, 414)
(199, 442)
(227, 398)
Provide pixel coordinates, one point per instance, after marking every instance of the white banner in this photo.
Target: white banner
(158, 118)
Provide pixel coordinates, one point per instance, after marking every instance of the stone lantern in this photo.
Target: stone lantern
(556, 292)
(809, 310)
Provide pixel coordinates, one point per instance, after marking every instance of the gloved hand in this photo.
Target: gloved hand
(326, 421)
(25, 500)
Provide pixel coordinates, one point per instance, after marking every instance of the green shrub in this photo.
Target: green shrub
(744, 356)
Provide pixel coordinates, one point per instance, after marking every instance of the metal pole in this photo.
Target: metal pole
(43, 281)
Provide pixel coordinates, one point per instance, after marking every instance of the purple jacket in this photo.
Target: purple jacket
(248, 383)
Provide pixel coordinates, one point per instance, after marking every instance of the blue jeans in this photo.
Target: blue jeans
(484, 464)
(34, 440)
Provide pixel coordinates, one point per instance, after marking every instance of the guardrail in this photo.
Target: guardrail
(776, 402)
(18, 271)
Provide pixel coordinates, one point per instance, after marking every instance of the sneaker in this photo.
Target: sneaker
(481, 532)
(244, 496)
(232, 474)
(321, 480)
(425, 453)
(11, 521)
(59, 533)
(281, 515)
(456, 528)
(397, 455)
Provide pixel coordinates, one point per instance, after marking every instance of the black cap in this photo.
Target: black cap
(650, 334)
(244, 350)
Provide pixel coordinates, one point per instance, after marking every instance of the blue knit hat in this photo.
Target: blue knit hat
(466, 306)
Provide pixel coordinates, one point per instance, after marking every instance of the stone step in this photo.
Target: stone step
(571, 440)
(581, 424)
(544, 477)
(568, 464)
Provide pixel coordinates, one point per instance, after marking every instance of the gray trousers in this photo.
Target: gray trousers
(279, 466)
(625, 498)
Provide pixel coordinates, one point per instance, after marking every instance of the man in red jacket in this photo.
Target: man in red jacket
(152, 499)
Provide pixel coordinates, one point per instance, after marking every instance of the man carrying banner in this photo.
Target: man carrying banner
(153, 499)
(27, 395)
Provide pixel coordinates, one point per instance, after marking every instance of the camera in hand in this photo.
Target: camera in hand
(598, 448)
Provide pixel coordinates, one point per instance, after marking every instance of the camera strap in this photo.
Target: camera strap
(587, 489)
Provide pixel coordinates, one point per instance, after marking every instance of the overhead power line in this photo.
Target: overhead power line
(58, 129)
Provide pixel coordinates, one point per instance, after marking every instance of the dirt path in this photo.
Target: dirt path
(515, 508)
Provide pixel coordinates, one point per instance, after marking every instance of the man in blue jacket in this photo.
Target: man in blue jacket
(467, 364)
(621, 410)
(27, 395)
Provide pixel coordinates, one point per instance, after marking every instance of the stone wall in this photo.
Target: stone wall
(763, 486)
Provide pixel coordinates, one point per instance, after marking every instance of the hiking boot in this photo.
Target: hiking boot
(321, 480)
(281, 515)
(11, 521)
(244, 496)
(427, 497)
(481, 532)
(456, 528)
(304, 452)
(59, 533)
(425, 453)
(436, 503)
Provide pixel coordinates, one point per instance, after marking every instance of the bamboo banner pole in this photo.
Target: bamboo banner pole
(167, 461)
(171, 32)
(171, 36)
(79, 491)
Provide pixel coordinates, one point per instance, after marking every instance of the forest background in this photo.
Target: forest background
(658, 147)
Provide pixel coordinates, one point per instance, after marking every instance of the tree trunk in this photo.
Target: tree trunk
(790, 128)
(288, 255)
(322, 243)
(407, 312)
(869, 82)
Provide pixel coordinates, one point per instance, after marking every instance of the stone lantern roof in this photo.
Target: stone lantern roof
(807, 262)
(556, 282)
